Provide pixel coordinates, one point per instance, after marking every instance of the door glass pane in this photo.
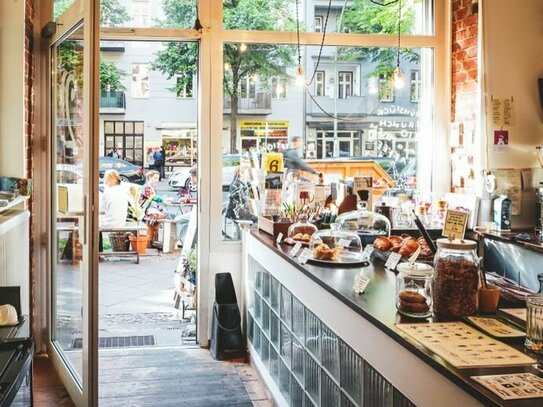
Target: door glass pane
(129, 127)
(108, 127)
(119, 128)
(129, 142)
(68, 194)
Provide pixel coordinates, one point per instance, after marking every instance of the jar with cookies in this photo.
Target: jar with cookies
(414, 289)
(301, 231)
(456, 278)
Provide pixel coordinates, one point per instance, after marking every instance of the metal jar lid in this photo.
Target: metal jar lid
(456, 244)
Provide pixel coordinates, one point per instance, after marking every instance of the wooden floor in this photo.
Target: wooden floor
(160, 377)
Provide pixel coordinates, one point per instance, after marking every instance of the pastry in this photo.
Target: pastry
(395, 240)
(382, 243)
(409, 247)
(323, 252)
(411, 296)
(418, 307)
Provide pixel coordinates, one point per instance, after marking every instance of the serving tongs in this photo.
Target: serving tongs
(425, 234)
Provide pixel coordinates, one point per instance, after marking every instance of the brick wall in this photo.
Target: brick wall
(29, 72)
(464, 97)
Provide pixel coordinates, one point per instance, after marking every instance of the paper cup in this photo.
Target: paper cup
(488, 299)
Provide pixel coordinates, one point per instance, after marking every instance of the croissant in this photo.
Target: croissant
(323, 252)
(395, 240)
(382, 243)
(409, 248)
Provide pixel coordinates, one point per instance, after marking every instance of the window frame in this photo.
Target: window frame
(317, 23)
(320, 82)
(345, 87)
(414, 94)
(145, 93)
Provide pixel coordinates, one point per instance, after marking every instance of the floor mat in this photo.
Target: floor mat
(119, 341)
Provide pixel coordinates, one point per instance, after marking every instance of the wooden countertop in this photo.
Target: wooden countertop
(377, 305)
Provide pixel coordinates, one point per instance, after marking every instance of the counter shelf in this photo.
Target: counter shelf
(347, 342)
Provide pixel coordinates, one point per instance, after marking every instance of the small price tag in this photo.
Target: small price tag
(279, 238)
(368, 250)
(344, 243)
(393, 261)
(360, 285)
(295, 250)
(304, 256)
(415, 255)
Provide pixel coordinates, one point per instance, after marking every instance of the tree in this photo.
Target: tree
(365, 17)
(112, 13)
(265, 60)
(111, 75)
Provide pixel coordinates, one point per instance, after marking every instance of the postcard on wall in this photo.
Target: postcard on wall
(503, 112)
(513, 386)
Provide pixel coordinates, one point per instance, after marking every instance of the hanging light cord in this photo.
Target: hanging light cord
(298, 33)
(322, 43)
(399, 31)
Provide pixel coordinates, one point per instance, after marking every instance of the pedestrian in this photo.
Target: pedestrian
(182, 220)
(159, 157)
(151, 203)
(150, 159)
(293, 159)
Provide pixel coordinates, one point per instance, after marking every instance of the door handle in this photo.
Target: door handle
(84, 232)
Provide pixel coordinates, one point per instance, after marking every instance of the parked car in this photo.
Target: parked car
(128, 171)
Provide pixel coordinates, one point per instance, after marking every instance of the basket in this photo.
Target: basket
(119, 241)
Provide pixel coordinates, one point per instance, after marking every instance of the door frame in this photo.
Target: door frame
(85, 13)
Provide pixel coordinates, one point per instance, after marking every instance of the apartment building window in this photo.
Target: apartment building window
(140, 13)
(386, 89)
(319, 83)
(345, 85)
(185, 86)
(127, 138)
(140, 81)
(415, 85)
(279, 88)
(247, 88)
(318, 24)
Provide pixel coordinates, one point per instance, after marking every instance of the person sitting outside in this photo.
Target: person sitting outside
(113, 204)
(151, 204)
(182, 220)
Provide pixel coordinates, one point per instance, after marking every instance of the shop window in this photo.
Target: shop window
(415, 85)
(140, 81)
(319, 83)
(185, 86)
(345, 85)
(386, 89)
(279, 88)
(318, 24)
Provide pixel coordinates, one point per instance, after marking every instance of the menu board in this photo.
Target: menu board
(463, 346)
(513, 386)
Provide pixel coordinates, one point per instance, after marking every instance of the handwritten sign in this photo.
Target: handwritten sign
(295, 250)
(344, 242)
(393, 261)
(503, 112)
(368, 250)
(273, 162)
(360, 284)
(455, 224)
(304, 256)
(279, 238)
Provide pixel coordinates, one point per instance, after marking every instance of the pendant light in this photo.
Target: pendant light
(399, 81)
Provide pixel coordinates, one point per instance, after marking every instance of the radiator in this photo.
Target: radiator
(14, 254)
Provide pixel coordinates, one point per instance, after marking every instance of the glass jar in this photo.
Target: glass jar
(367, 224)
(414, 289)
(456, 278)
(301, 231)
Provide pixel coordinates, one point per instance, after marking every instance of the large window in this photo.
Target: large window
(345, 85)
(140, 13)
(140, 81)
(319, 83)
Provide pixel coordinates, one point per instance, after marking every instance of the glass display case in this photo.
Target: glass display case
(367, 224)
(336, 245)
(301, 231)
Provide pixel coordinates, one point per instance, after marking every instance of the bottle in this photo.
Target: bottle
(502, 213)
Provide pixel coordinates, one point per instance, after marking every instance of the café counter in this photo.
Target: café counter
(315, 342)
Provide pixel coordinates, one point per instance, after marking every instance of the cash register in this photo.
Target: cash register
(16, 351)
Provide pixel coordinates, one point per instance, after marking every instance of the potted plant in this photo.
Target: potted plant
(136, 213)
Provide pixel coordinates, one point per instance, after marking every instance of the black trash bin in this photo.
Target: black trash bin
(227, 341)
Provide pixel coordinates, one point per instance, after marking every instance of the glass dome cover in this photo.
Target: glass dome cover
(365, 222)
(336, 237)
(302, 230)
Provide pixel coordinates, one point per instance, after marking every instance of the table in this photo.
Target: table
(128, 228)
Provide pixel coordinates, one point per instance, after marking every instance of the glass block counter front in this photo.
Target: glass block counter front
(308, 362)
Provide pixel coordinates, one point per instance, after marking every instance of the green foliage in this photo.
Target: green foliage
(364, 17)
(112, 13)
(111, 76)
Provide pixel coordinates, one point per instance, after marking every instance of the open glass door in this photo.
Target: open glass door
(71, 247)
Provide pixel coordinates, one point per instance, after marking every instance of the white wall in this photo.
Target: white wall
(12, 145)
(513, 60)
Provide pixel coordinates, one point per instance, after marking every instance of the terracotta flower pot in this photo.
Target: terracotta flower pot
(139, 243)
